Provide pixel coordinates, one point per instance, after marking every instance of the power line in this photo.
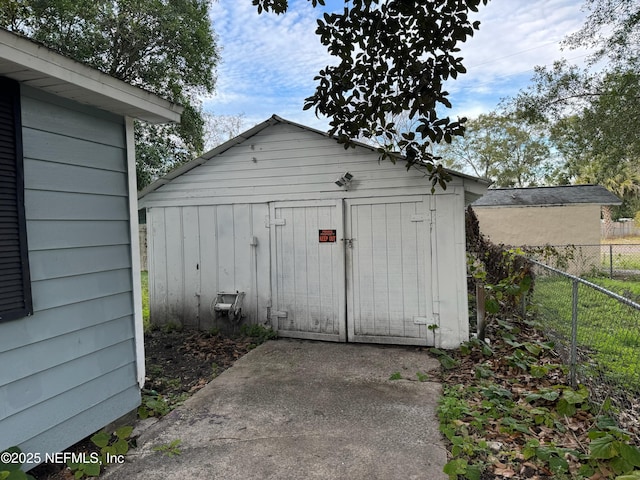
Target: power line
(515, 54)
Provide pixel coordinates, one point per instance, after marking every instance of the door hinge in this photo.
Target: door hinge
(276, 221)
(278, 314)
(418, 218)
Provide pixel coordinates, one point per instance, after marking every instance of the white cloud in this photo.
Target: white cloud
(514, 37)
(269, 61)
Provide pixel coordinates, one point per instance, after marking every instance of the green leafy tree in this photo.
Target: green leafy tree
(392, 57)
(501, 148)
(592, 122)
(554, 93)
(599, 141)
(591, 113)
(613, 28)
(166, 47)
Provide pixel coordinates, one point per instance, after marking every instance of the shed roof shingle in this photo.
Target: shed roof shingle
(539, 196)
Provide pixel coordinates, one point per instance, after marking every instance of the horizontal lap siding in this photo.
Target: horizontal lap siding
(285, 162)
(70, 368)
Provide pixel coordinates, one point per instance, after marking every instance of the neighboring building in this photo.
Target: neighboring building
(326, 242)
(564, 215)
(71, 346)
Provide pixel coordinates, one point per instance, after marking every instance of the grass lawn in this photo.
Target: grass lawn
(624, 257)
(622, 262)
(621, 240)
(608, 329)
(629, 288)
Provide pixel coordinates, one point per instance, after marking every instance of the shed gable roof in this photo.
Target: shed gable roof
(33, 64)
(541, 196)
(273, 120)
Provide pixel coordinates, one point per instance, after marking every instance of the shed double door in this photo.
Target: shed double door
(369, 282)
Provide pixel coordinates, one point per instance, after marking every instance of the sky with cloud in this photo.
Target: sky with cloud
(269, 61)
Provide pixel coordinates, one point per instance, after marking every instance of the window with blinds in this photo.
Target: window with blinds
(15, 284)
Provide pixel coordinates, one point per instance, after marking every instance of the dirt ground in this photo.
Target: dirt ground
(178, 363)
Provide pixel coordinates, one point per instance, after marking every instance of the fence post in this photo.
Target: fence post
(574, 333)
(611, 260)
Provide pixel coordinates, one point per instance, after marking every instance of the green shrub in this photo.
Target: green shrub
(258, 332)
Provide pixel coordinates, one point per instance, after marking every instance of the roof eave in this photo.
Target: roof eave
(537, 205)
(36, 65)
(468, 180)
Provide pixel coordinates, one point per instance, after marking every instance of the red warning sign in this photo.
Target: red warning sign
(327, 236)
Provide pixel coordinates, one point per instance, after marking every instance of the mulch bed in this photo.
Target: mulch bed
(184, 361)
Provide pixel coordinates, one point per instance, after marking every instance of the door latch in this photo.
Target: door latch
(348, 242)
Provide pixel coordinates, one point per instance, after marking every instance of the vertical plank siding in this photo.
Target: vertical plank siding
(308, 276)
(196, 252)
(451, 270)
(388, 284)
(70, 368)
(402, 274)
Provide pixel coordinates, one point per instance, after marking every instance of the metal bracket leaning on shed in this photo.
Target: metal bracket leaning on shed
(229, 303)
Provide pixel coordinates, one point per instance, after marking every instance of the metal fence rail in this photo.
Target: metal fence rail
(614, 260)
(596, 333)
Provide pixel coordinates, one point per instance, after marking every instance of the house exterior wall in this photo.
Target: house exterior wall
(541, 225)
(70, 368)
(209, 227)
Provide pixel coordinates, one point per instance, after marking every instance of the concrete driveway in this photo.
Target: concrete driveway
(302, 410)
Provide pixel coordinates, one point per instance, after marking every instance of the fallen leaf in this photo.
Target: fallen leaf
(506, 472)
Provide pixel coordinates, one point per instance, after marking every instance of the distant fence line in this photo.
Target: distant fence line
(619, 229)
(608, 259)
(597, 333)
(142, 238)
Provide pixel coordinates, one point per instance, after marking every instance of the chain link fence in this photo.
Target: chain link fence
(613, 260)
(597, 334)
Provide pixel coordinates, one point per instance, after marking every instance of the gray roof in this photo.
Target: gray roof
(534, 196)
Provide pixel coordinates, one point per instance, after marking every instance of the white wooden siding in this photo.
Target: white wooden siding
(307, 276)
(196, 252)
(449, 265)
(285, 162)
(408, 276)
(69, 369)
(389, 271)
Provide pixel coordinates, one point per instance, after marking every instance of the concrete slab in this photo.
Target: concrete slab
(298, 409)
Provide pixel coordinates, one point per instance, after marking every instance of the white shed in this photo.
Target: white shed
(326, 242)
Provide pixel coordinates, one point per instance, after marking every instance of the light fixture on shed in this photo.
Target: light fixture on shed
(344, 180)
